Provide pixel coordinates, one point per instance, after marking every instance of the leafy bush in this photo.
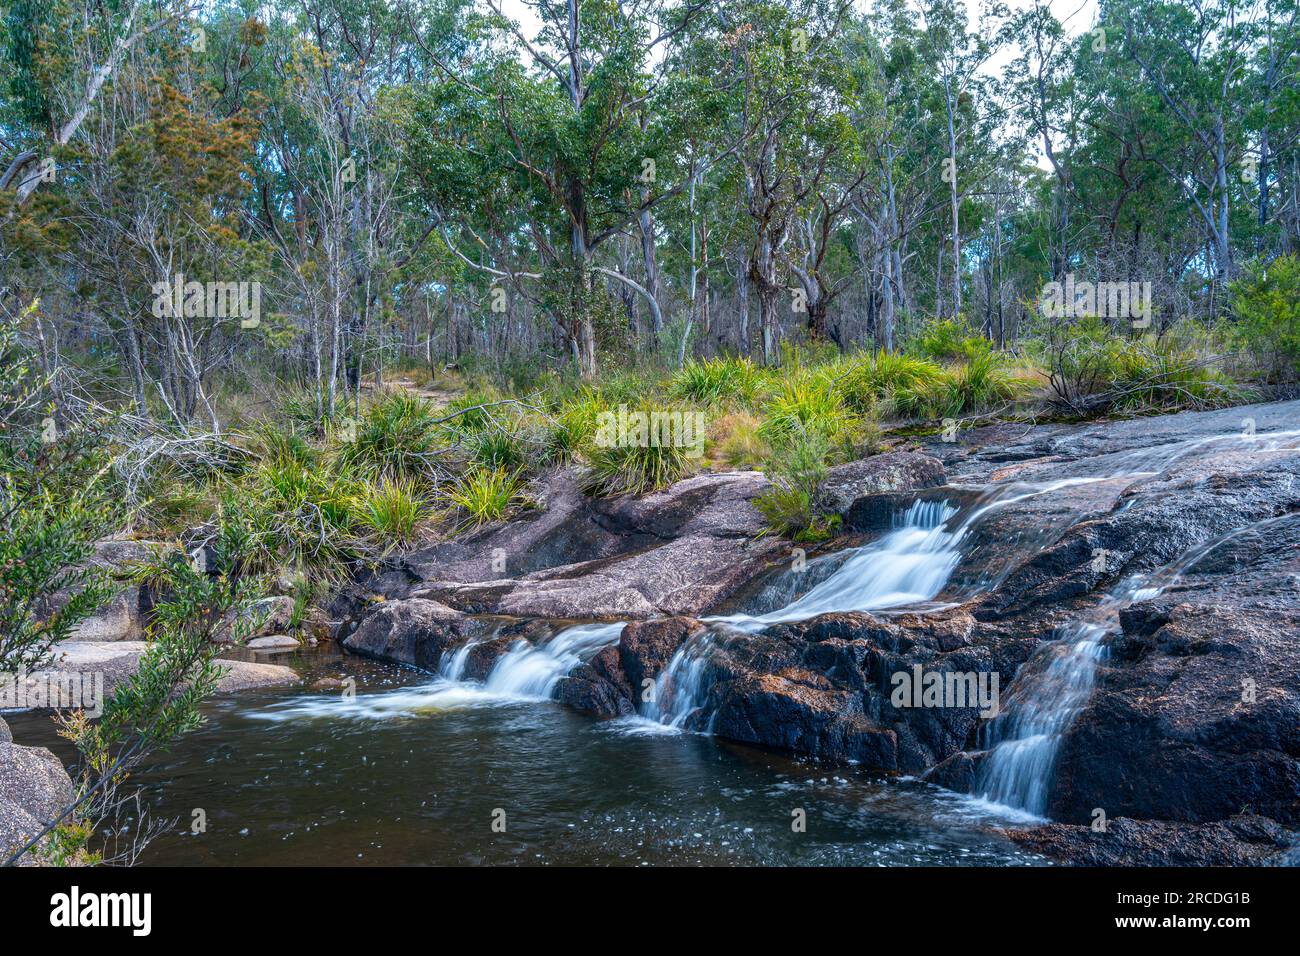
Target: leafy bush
(812, 403)
(289, 515)
(1092, 370)
(948, 340)
(574, 422)
(1266, 303)
(498, 449)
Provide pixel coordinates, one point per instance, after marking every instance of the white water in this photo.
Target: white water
(906, 568)
(532, 670)
(1054, 685)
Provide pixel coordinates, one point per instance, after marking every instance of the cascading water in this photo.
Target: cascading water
(532, 670)
(1055, 684)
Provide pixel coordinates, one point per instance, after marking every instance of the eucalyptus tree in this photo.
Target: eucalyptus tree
(560, 142)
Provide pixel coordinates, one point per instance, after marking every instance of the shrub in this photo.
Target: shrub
(289, 515)
(977, 385)
(949, 340)
(573, 426)
(1266, 304)
(790, 506)
(499, 449)
(804, 403)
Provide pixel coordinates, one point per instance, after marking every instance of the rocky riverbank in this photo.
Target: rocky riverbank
(1174, 537)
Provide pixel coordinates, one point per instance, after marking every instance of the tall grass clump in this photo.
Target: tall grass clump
(288, 514)
(810, 402)
(717, 381)
(392, 509)
(395, 438)
(637, 463)
(482, 495)
(979, 384)
(893, 382)
(796, 475)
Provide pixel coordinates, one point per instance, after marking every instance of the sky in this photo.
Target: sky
(1077, 15)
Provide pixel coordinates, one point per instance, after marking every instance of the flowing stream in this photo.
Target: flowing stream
(411, 769)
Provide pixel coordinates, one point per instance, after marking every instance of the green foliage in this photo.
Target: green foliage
(483, 495)
(978, 384)
(635, 467)
(737, 442)
(1266, 303)
(54, 505)
(392, 509)
(573, 427)
(947, 340)
(154, 706)
(897, 383)
(790, 506)
(1090, 370)
(717, 381)
(499, 449)
(289, 514)
(395, 438)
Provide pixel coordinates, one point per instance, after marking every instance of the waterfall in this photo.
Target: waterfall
(1056, 682)
(906, 568)
(532, 670)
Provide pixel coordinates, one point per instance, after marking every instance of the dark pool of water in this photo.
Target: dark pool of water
(410, 772)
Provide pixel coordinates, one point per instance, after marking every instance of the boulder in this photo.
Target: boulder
(274, 642)
(121, 618)
(646, 647)
(266, 617)
(890, 472)
(99, 668)
(418, 632)
(598, 686)
(34, 788)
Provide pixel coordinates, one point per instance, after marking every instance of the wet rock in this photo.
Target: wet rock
(598, 686)
(274, 642)
(799, 711)
(958, 772)
(416, 632)
(891, 472)
(329, 683)
(677, 551)
(483, 655)
(1244, 840)
(34, 789)
(646, 647)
